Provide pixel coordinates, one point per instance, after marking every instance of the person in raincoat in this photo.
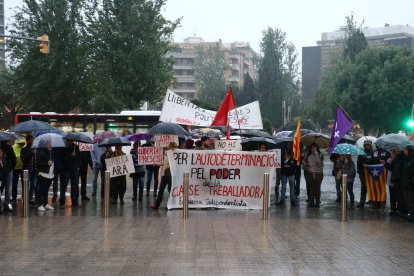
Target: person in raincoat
(313, 161)
(18, 169)
(370, 158)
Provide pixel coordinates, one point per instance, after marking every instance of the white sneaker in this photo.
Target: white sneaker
(41, 208)
(48, 207)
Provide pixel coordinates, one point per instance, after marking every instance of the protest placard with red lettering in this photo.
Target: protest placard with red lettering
(163, 140)
(221, 179)
(85, 147)
(150, 156)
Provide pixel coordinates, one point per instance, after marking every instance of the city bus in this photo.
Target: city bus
(126, 122)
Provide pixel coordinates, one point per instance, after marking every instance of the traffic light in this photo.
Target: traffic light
(44, 44)
(410, 122)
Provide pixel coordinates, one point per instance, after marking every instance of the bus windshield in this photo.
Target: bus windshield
(127, 122)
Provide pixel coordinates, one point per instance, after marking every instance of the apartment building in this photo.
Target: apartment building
(318, 59)
(240, 57)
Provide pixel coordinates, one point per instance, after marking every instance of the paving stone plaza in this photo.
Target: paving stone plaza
(136, 240)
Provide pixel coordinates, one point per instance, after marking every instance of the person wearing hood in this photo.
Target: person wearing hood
(407, 180)
(18, 169)
(370, 158)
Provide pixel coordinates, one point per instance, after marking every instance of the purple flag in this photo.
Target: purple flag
(341, 126)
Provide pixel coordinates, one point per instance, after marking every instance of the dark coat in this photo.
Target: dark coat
(407, 171)
(43, 156)
(71, 163)
(85, 160)
(369, 159)
(9, 158)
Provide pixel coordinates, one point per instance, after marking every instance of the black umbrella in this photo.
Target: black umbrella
(281, 142)
(115, 141)
(348, 139)
(253, 143)
(168, 128)
(79, 137)
(303, 132)
(31, 125)
(252, 133)
(5, 136)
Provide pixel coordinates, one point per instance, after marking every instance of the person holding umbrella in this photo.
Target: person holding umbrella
(165, 177)
(118, 183)
(139, 174)
(288, 172)
(9, 162)
(348, 168)
(18, 169)
(45, 166)
(313, 162)
(28, 157)
(106, 154)
(407, 180)
(71, 164)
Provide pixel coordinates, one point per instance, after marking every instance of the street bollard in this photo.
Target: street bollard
(25, 194)
(186, 185)
(266, 196)
(106, 195)
(344, 215)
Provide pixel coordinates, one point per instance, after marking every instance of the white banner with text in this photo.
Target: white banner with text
(179, 110)
(120, 165)
(221, 179)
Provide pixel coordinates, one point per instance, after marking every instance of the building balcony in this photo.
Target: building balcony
(183, 66)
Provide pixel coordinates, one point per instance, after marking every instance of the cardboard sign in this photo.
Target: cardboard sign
(221, 179)
(120, 165)
(85, 147)
(163, 140)
(228, 145)
(150, 156)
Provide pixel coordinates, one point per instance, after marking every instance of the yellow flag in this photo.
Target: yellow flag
(296, 144)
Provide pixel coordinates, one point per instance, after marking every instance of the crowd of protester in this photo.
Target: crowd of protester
(59, 166)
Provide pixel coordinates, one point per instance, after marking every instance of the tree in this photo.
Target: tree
(11, 100)
(129, 40)
(278, 74)
(355, 41)
(377, 90)
(247, 94)
(55, 81)
(209, 70)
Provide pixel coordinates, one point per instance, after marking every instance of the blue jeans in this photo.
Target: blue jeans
(96, 172)
(138, 181)
(7, 183)
(73, 176)
(32, 184)
(285, 179)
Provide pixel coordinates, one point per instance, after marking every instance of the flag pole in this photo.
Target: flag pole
(343, 110)
(235, 110)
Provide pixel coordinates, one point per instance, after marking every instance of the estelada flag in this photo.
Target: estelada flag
(222, 114)
(375, 178)
(296, 144)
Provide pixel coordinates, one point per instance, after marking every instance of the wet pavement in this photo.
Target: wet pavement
(136, 240)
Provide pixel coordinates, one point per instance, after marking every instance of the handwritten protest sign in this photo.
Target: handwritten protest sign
(150, 156)
(163, 140)
(120, 165)
(85, 147)
(221, 179)
(228, 145)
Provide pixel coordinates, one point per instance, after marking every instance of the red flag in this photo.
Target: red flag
(221, 117)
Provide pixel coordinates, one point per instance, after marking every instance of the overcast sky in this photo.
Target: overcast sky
(302, 21)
